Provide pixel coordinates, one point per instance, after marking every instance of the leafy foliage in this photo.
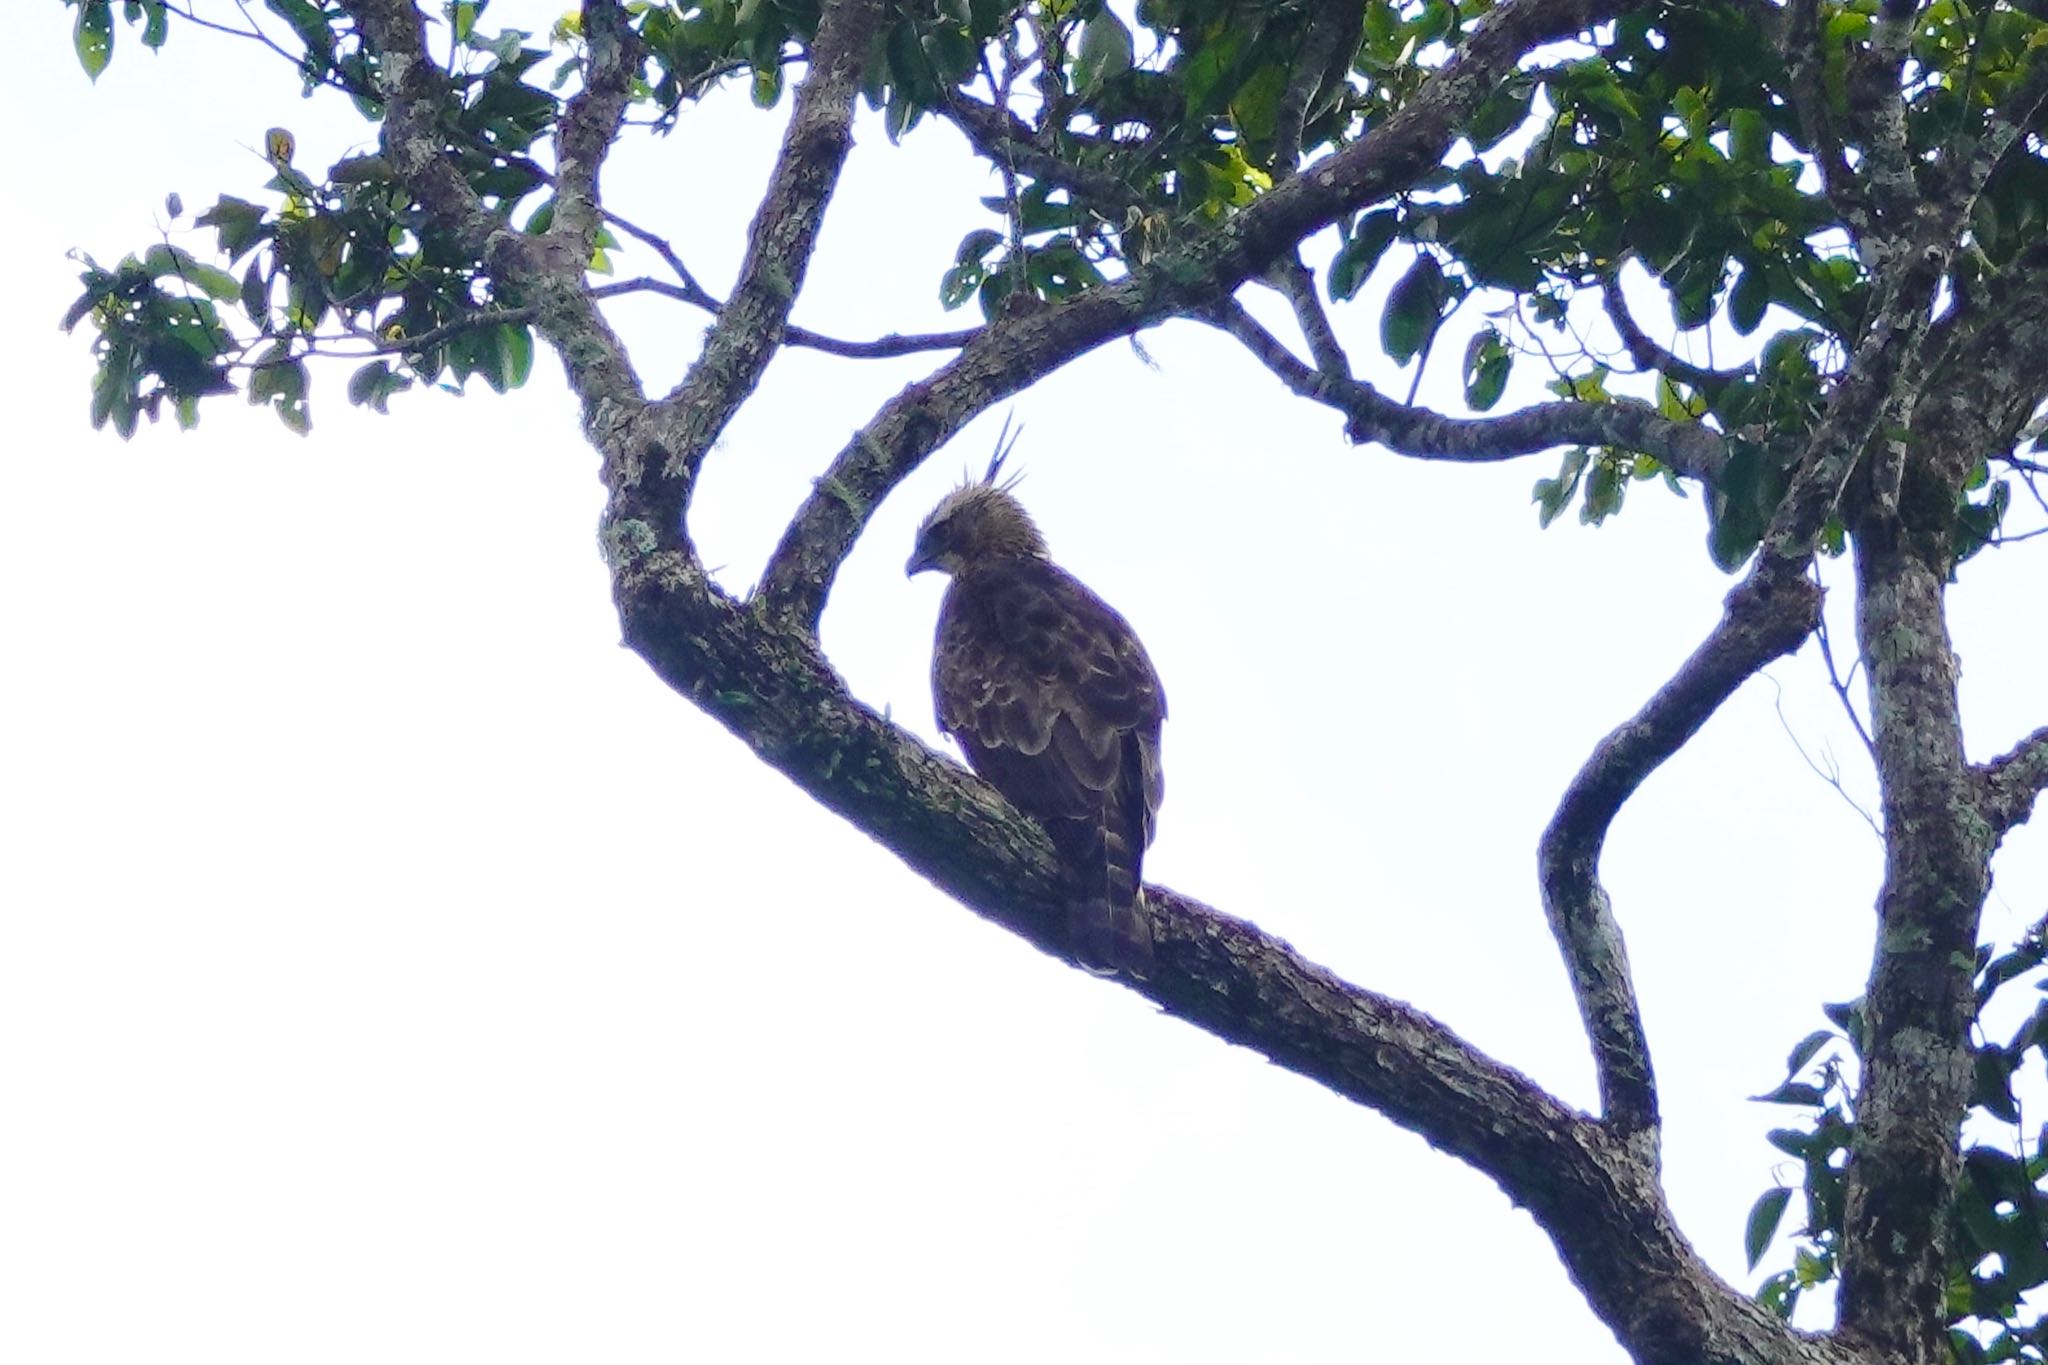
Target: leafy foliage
(1671, 142)
(1998, 1231)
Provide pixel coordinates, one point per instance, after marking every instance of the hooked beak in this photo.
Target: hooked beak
(919, 562)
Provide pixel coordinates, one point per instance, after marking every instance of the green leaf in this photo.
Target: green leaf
(1763, 1223)
(1357, 257)
(1748, 299)
(1106, 52)
(92, 36)
(515, 356)
(976, 245)
(1413, 309)
(1790, 1141)
(1487, 361)
(157, 24)
(959, 284)
(238, 223)
(255, 293)
(1992, 1089)
(1792, 1092)
(1806, 1050)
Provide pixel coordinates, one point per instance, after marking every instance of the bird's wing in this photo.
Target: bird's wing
(1046, 686)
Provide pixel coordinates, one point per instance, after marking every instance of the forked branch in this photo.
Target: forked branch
(1762, 619)
(1688, 448)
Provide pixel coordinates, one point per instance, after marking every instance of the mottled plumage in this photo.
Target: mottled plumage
(1050, 695)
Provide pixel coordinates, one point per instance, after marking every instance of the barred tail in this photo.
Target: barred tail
(1105, 905)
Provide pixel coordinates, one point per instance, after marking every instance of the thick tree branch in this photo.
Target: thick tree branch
(1764, 618)
(414, 90)
(590, 123)
(1019, 349)
(653, 491)
(2012, 782)
(1595, 1195)
(1921, 1001)
(1689, 449)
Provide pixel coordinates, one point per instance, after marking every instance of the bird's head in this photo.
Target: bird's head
(975, 523)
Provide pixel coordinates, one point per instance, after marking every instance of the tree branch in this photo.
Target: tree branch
(1297, 284)
(1799, 45)
(1593, 1194)
(590, 123)
(1005, 140)
(1645, 352)
(1019, 349)
(1688, 448)
(413, 88)
(784, 232)
(1334, 29)
(2011, 783)
(1763, 618)
(1921, 1000)
(544, 274)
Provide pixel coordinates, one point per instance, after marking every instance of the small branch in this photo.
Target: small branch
(414, 89)
(1689, 449)
(1003, 138)
(1806, 91)
(543, 273)
(1841, 682)
(1297, 284)
(780, 241)
(1764, 618)
(1646, 353)
(881, 348)
(2009, 785)
(590, 122)
(1829, 772)
(1334, 28)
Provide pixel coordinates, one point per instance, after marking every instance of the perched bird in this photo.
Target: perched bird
(1053, 701)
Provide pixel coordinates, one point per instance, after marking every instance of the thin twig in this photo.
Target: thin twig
(1831, 773)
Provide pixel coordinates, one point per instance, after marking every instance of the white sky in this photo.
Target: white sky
(391, 970)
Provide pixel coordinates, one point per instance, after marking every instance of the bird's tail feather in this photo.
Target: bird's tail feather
(1105, 906)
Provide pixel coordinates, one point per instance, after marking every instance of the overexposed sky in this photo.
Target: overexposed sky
(391, 969)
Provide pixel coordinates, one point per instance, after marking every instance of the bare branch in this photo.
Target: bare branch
(1763, 618)
(1689, 449)
(1004, 139)
(1595, 1195)
(1645, 352)
(1829, 772)
(2011, 783)
(1298, 285)
(590, 123)
(779, 244)
(1840, 681)
(881, 348)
